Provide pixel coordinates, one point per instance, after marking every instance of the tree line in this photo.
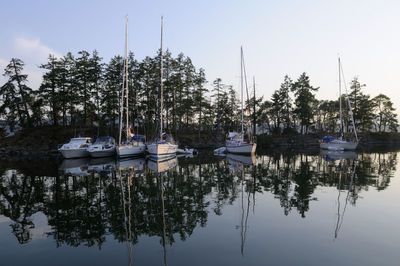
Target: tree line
(82, 90)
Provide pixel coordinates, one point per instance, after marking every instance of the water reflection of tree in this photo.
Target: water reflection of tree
(75, 211)
(84, 210)
(21, 197)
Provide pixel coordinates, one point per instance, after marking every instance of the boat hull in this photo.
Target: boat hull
(162, 150)
(74, 153)
(98, 153)
(129, 150)
(242, 148)
(342, 146)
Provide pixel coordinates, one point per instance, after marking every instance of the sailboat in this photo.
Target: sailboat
(163, 146)
(133, 145)
(340, 143)
(235, 142)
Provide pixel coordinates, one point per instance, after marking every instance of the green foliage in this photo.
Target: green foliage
(304, 100)
(81, 91)
(385, 118)
(15, 95)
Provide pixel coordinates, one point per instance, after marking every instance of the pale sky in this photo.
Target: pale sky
(278, 37)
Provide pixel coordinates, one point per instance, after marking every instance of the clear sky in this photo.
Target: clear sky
(278, 37)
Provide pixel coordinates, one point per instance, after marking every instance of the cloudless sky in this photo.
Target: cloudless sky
(278, 37)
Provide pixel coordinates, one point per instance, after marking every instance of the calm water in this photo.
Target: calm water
(275, 209)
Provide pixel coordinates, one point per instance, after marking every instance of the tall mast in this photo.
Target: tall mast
(121, 110)
(254, 107)
(126, 79)
(241, 82)
(161, 97)
(340, 101)
(348, 103)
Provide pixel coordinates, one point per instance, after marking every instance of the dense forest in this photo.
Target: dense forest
(83, 91)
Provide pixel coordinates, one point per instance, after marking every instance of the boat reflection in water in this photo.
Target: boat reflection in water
(161, 166)
(76, 167)
(343, 169)
(128, 170)
(105, 165)
(239, 162)
(330, 156)
(136, 165)
(147, 209)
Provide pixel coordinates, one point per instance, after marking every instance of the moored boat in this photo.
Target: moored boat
(76, 148)
(163, 146)
(340, 143)
(103, 147)
(133, 145)
(235, 142)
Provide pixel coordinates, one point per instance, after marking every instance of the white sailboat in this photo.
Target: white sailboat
(235, 142)
(163, 146)
(133, 145)
(340, 143)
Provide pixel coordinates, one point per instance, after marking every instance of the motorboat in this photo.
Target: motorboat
(76, 148)
(186, 151)
(103, 147)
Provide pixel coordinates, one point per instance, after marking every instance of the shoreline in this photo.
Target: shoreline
(265, 144)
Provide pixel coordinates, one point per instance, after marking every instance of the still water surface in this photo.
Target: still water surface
(274, 209)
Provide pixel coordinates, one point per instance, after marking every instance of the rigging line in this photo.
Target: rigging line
(123, 86)
(348, 102)
(340, 102)
(245, 82)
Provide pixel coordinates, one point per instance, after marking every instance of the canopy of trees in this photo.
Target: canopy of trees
(81, 90)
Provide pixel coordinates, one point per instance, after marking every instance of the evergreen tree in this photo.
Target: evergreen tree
(218, 90)
(286, 101)
(385, 116)
(304, 99)
(16, 94)
(111, 92)
(199, 98)
(49, 92)
(362, 106)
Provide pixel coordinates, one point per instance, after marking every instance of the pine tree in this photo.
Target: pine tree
(16, 94)
(49, 92)
(304, 98)
(385, 116)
